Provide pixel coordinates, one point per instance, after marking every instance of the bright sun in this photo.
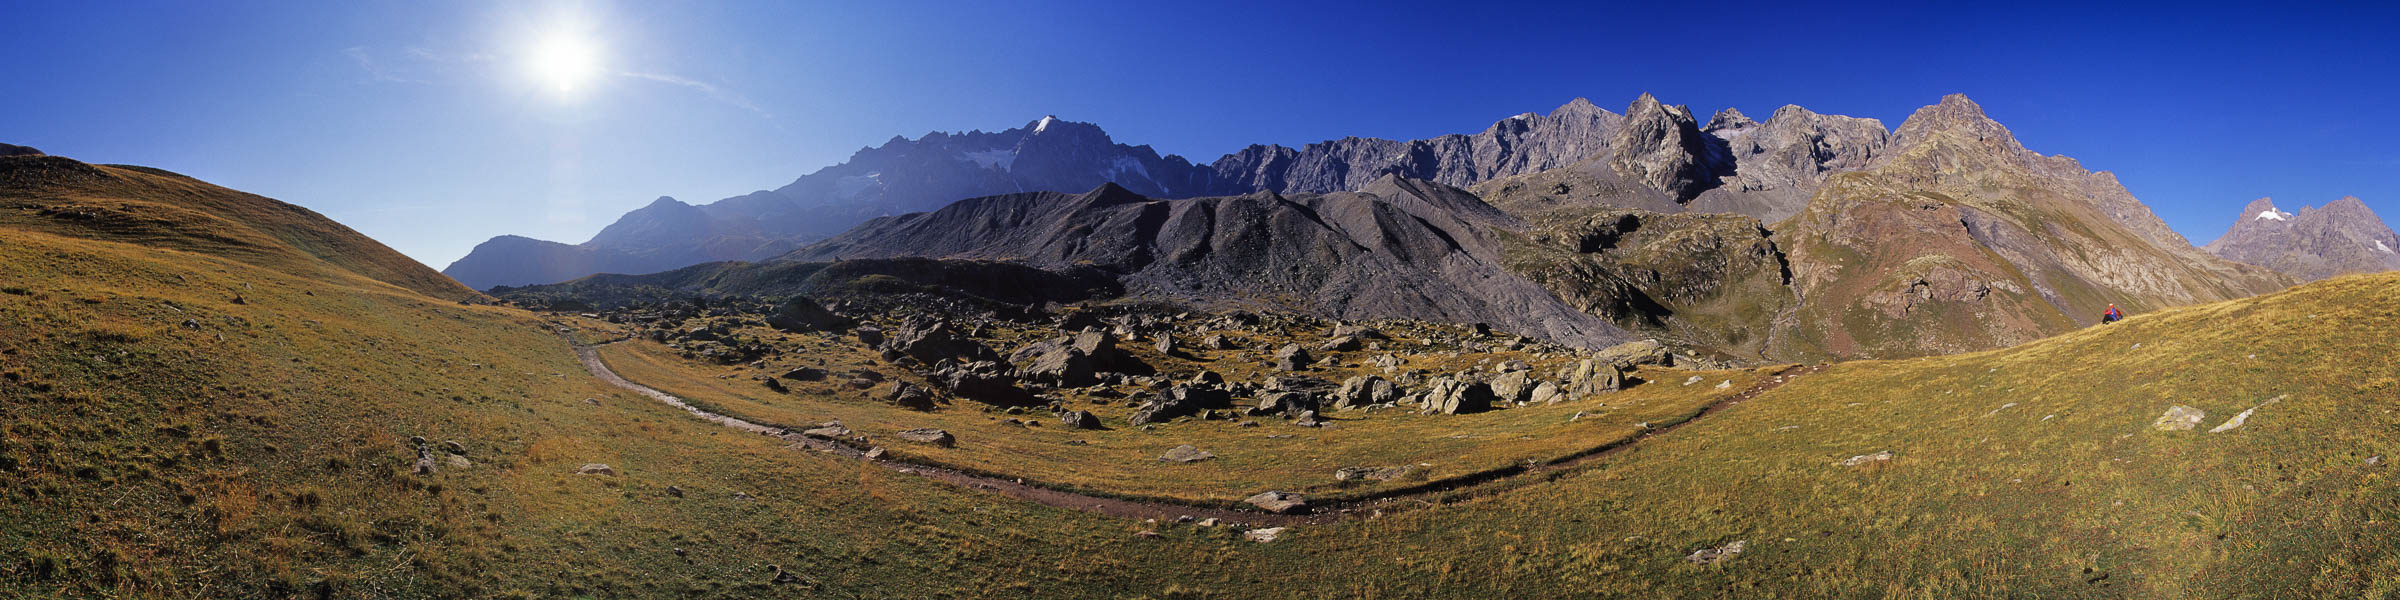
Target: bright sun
(564, 62)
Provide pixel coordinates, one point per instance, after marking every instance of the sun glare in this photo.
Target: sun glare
(565, 63)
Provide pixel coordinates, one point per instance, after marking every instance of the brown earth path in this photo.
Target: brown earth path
(1449, 489)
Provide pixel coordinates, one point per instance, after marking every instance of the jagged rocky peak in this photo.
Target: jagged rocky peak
(1580, 107)
(1661, 147)
(1955, 114)
(1730, 120)
(2263, 209)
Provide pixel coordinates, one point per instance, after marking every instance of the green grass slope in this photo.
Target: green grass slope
(2025, 472)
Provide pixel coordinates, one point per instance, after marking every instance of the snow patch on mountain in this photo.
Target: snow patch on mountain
(1001, 159)
(2272, 214)
(850, 187)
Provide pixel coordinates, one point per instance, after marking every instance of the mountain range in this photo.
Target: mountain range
(2342, 237)
(1941, 236)
(1653, 150)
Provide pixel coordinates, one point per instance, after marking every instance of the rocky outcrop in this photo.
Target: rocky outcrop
(2315, 243)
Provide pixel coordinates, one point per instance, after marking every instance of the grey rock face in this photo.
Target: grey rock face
(1660, 147)
(1398, 249)
(2315, 243)
(1521, 144)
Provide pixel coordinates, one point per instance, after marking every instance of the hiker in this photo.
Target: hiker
(2113, 315)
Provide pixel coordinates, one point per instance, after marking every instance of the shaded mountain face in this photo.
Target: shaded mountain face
(156, 208)
(2316, 243)
(16, 150)
(1957, 238)
(1398, 248)
(901, 176)
(1521, 144)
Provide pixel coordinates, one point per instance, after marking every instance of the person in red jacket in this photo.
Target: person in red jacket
(2113, 315)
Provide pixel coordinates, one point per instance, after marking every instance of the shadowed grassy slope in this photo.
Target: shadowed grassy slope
(157, 208)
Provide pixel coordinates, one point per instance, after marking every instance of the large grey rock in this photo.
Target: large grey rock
(1363, 391)
(1185, 454)
(928, 435)
(1292, 357)
(1282, 503)
(1513, 387)
(803, 314)
(1452, 396)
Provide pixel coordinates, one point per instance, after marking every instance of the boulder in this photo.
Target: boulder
(1596, 376)
(1357, 331)
(1181, 401)
(456, 462)
(828, 431)
(805, 374)
(1363, 391)
(596, 469)
(1264, 535)
(1056, 364)
(932, 341)
(1307, 418)
(1631, 354)
(1378, 474)
(1546, 393)
(1864, 459)
(1292, 357)
(803, 314)
(1512, 388)
(454, 447)
(2179, 418)
(1710, 556)
(1216, 342)
(1282, 503)
(909, 396)
(928, 435)
(1185, 454)
(1080, 419)
(1165, 344)
(984, 381)
(1451, 396)
(870, 335)
(1283, 403)
(1341, 344)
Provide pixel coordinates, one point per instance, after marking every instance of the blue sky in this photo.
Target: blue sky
(418, 122)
